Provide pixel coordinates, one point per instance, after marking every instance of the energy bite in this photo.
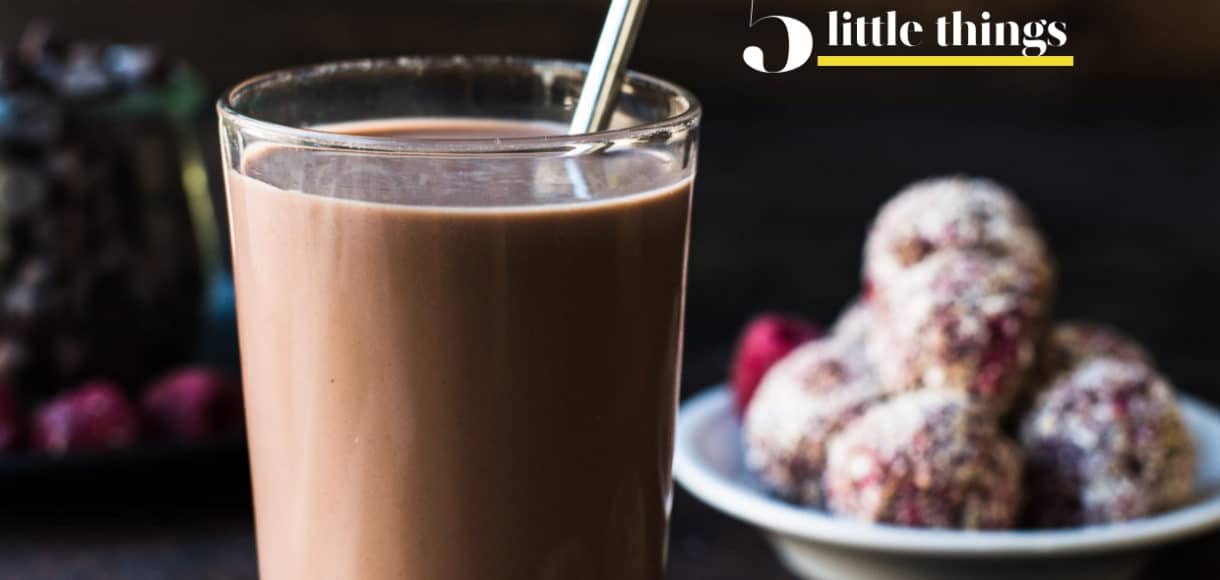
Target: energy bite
(804, 399)
(1067, 345)
(1071, 343)
(965, 321)
(948, 213)
(1105, 443)
(925, 459)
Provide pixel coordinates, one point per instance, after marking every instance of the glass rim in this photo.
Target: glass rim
(228, 111)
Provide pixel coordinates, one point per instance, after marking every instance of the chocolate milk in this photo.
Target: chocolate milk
(458, 379)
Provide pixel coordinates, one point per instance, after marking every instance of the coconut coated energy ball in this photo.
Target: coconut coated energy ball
(806, 397)
(948, 213)
(925, 459)
(1105, 443)
(964, 321)
(1069, 344)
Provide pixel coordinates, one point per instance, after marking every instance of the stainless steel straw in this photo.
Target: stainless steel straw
(605, 77)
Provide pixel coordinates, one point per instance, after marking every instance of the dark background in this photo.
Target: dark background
(1117, 156)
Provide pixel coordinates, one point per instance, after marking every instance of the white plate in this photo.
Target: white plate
(708, 463)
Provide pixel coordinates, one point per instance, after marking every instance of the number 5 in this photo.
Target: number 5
(800, 44)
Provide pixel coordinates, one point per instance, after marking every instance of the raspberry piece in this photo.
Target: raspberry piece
(803, 401)
(94, 416)
(765, 340)
(192, 404)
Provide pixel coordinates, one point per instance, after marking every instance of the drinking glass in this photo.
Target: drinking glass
(460, 328)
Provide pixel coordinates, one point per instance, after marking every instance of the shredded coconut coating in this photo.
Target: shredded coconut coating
(949, 213)
(1106, 443)
(807, 396)
(854, 323)
(965, 321)
(925, 459)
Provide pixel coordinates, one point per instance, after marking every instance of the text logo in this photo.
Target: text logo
(953, 34)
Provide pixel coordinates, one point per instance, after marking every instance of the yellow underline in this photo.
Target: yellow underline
(947, 60)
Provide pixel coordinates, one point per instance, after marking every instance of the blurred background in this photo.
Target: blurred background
(1118, 157)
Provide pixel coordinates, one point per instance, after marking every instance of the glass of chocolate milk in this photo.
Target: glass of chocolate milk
(460, 327)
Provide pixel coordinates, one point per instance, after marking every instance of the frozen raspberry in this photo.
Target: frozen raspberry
(192, 404)
(765, 340)
(966, 321)
(12, 423)
(95, 416)
(1105, 442)
(804, 399)
(925, 459)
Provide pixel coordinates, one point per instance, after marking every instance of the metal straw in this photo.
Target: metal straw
(605, 78)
